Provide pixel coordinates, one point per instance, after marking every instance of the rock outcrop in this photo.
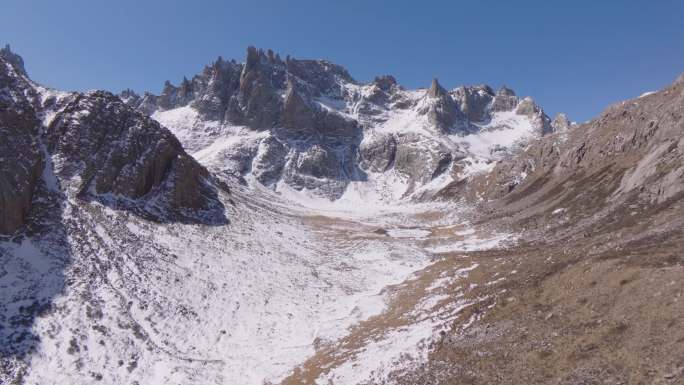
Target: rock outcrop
(107, 151)
(633, 152)
(560, 123)
(440, 108)
(20, 153)
(124, 154)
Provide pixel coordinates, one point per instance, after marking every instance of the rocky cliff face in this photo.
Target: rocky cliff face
(300, 112)
(21, 164)
(109, 272)
(95, 145)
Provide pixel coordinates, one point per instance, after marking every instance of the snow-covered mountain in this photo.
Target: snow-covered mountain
(306, 126)
(124, 260)
(277, 222)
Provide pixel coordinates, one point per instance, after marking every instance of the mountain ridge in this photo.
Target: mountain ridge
(314, 111)
(278, 222)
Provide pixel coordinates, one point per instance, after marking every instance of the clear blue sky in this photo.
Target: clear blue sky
(573, 56)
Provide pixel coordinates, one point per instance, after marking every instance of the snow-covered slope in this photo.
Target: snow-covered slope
(129, 262)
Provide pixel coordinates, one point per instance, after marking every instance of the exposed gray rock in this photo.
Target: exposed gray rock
(316, 104)
(13, 59)
(119, 154)
(504, 100)
(20, 155)
(296, 115)
(377, 152)
(269, 162)
(440, 108)
(420, 160)
(317, 168)
(527, 107)
(474, 102)
(385, 82)
(560, 123)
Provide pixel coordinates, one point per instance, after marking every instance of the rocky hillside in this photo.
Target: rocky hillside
(308, 126)
(595, 297)
(92, 144)
(278, 222)
(629, 158)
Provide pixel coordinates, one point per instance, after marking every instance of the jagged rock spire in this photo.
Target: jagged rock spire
(436, 90)
(15, 60)
(560, 123)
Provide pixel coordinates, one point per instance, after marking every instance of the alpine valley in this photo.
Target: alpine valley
(275, 221)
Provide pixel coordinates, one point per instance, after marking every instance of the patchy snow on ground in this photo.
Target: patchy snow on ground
(245, 303)
(403, 347)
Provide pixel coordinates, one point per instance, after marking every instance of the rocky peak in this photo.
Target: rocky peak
(505, 91)
(20, 156)
(504, 100)
(109, 152)
(385, 82)
(474, 101)
(436, 90)
(440, 108)
(13, 59)
(296, 113)
(527, 106)
(130, 97)
(560, 123)
(125, 158)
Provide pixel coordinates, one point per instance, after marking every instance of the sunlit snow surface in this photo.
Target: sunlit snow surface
(244, 303)
(238, 304)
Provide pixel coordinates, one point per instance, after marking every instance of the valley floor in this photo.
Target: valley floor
(281, 293)
(284, 294)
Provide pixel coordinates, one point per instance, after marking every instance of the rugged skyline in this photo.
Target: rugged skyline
(273, 221)
(576, 58)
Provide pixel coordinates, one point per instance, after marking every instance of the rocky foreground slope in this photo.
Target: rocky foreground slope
(276, 221)
(599, 299)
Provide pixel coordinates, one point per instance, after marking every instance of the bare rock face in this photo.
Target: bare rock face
(377, 152)
(124, 154)
(21, 158)
(269, 162)
(529, 108)
(504, 100)
(13, 59)
(20, 170)
(310, 108)
(257, 103)
(560, 123)
(474, 102)
(526, 107)
(317, 168)
(420, 163)
(107, 151)
(385, 82)
(440, 108)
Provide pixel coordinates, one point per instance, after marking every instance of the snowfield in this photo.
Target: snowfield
(295, 288)
(246, 303)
